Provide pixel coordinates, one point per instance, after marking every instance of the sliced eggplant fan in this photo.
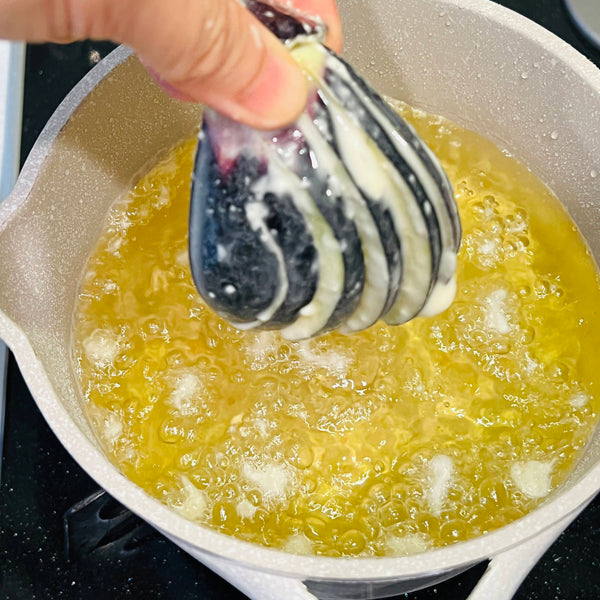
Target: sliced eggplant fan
(343, 218)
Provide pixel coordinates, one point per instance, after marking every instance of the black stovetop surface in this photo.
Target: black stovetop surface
(41, 483)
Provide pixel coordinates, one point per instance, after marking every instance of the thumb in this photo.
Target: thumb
(215, 52)
(210, 51)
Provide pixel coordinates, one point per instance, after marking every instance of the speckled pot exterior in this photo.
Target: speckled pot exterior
(470, 60)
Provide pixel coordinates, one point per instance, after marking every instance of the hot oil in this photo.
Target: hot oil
(385, 442)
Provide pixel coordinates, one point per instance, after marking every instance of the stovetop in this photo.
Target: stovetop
(60, 538)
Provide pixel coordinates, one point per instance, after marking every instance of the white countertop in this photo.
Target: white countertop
(12, 69)
(12, 63)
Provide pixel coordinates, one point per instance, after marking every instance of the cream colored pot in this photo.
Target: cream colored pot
(470, 60)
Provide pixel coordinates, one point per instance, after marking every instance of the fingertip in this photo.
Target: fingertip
(279, 93)
(276, 97)
(334, 37)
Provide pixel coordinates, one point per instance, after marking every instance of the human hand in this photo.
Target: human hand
(209, 51)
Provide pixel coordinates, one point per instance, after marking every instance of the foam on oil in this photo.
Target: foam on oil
(386, 442)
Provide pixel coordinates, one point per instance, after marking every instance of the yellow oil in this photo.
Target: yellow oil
(386, 442)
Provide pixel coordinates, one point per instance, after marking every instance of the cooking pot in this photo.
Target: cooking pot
(473, 61)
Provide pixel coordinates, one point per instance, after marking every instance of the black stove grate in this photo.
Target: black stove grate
(63, 538)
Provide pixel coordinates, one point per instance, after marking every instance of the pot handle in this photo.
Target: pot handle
(501, 580)
(258, 585)
(507, 571)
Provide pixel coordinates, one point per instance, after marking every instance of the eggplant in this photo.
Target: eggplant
(334, 222)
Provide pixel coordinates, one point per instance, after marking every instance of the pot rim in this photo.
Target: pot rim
(209, 541)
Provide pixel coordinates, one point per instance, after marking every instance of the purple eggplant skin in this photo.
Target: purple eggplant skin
(224, 250)
(301, 265)
(235, 272)
(355, 107)
(333, 210)
(381, 216)
(285, 22)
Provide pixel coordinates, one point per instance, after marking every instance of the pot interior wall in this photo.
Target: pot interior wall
(453, 59)
(115, 133)
(434, 55)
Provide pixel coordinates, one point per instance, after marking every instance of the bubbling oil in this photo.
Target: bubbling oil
(386, 442)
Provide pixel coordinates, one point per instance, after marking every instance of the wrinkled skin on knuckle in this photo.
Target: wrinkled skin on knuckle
(57, 18)
(93, 19)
